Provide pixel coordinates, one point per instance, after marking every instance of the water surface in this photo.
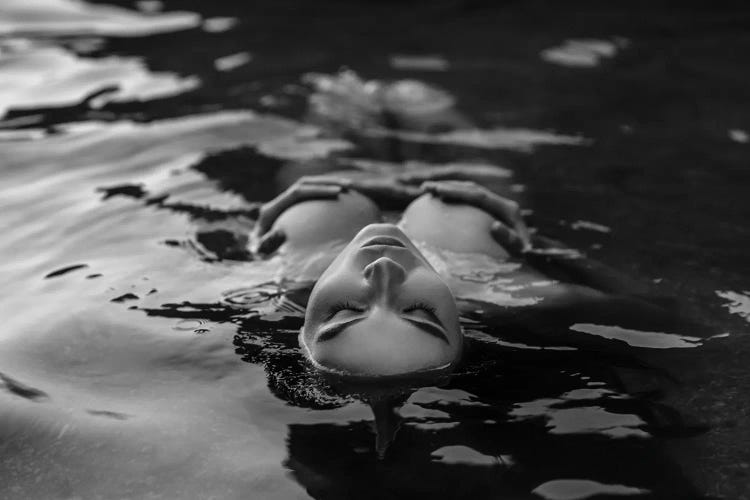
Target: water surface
(143, 354)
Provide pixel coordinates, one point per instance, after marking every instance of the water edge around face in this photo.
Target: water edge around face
(380, 309)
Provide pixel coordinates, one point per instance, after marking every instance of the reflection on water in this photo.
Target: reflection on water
(738, 303)
(146, 353)
(35, 75)
(637, 338)
(583, 53)
(515, 139)
(574, 489)
(419, 63)
(71, 17)
(563, 419)
(739, 136)
(233, 61)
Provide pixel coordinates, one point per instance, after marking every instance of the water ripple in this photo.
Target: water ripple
(39, 74)
(72, 17)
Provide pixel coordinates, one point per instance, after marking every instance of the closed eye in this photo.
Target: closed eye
(426, 310)
(343, 306)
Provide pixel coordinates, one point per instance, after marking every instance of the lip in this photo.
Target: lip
(386, 241)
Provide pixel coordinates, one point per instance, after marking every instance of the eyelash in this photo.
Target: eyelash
(420, 305)
(343, 306)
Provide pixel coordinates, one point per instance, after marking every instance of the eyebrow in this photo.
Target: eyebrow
(331, 331)
(432, 329)
(433, 317)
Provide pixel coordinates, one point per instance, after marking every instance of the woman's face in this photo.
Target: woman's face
(380, 309)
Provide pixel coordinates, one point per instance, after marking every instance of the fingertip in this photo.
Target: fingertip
(437, 189)
(330, 190)
(428, 187)
(500, 230)
(270, 242)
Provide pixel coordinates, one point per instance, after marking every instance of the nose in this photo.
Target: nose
(384, 274)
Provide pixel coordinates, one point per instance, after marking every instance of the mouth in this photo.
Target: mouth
(386, 241)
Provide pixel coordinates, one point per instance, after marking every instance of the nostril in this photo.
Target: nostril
(368, 272)
(385, 271)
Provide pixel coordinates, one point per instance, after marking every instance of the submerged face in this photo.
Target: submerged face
(380, 309)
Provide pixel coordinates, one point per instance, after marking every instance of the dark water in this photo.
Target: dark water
(140, 354)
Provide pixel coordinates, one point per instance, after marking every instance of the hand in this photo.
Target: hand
(508, 213)
(306, 188)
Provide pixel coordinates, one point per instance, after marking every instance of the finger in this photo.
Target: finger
(409, 192)
(315, 191)
(270, 242)
(428, 187)
(411, 178)
(506, 237)
(295, 194)
(460, 191)
(549, 247)
(326, 180)
(485, 170)
(505, 210)
(509, 212)
(438, 190)
(463, 173)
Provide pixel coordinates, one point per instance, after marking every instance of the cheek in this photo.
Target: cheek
(339, 285)
(449, 312)
(428, 284)
(314, 312)
(341, 270)
(436, 292)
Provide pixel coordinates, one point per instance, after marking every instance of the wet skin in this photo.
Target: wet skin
(380, 309)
